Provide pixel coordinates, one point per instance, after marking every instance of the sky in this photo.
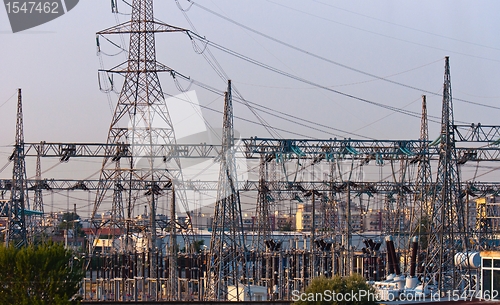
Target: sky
(354, 59)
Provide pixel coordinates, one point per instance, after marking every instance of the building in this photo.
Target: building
(303, 218)
(201, 221)
(372, 220)
(487, 215)
(285, 223)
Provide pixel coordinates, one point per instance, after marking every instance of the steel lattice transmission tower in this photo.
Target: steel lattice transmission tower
(140, 125)
(261, 226)
(262, 213)
(227, 256)
(448, 234)
(422, 207)
(37, 219)
(17, 224)
(38, 199)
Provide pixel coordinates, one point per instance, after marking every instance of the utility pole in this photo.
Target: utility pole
(75, 220)
(313, 235)
(349, 233)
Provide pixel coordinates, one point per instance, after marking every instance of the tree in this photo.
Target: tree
(196, 246)
(70, 220)
(42, 275)
(337, 291)
(287, 227)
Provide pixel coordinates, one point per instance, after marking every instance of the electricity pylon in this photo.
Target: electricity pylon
(17, 224)
(262, 225)
(140, 125)
(422, 208)
(37, 219)
(448, 232)
(227, 256)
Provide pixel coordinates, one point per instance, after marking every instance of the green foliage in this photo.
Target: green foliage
(287, 227)
(70, 216)
(44, 274)
(197, 245)
(70, 220)
(320, 291)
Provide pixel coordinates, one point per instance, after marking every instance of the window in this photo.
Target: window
(490, 282)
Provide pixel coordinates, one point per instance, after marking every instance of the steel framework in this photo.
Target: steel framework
(141, 164)
(287, 190)
(262, 211)
(15, 209)
(227, 256)
(448, 234)
(141, 126)
(328, 149)
(421, 214)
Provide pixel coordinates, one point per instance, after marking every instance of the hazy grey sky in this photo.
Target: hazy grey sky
(404, 42)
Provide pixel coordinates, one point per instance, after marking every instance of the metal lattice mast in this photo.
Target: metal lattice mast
(36, 220)
(261, 226)
(117, 211)
(402, 223)
(172, 289)
(38, 198)
(332, 223)
(140, 122)
(448, 232)
(275, 196)
(422, 207)
(17, 228)
(262, 212)
(226, 260)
